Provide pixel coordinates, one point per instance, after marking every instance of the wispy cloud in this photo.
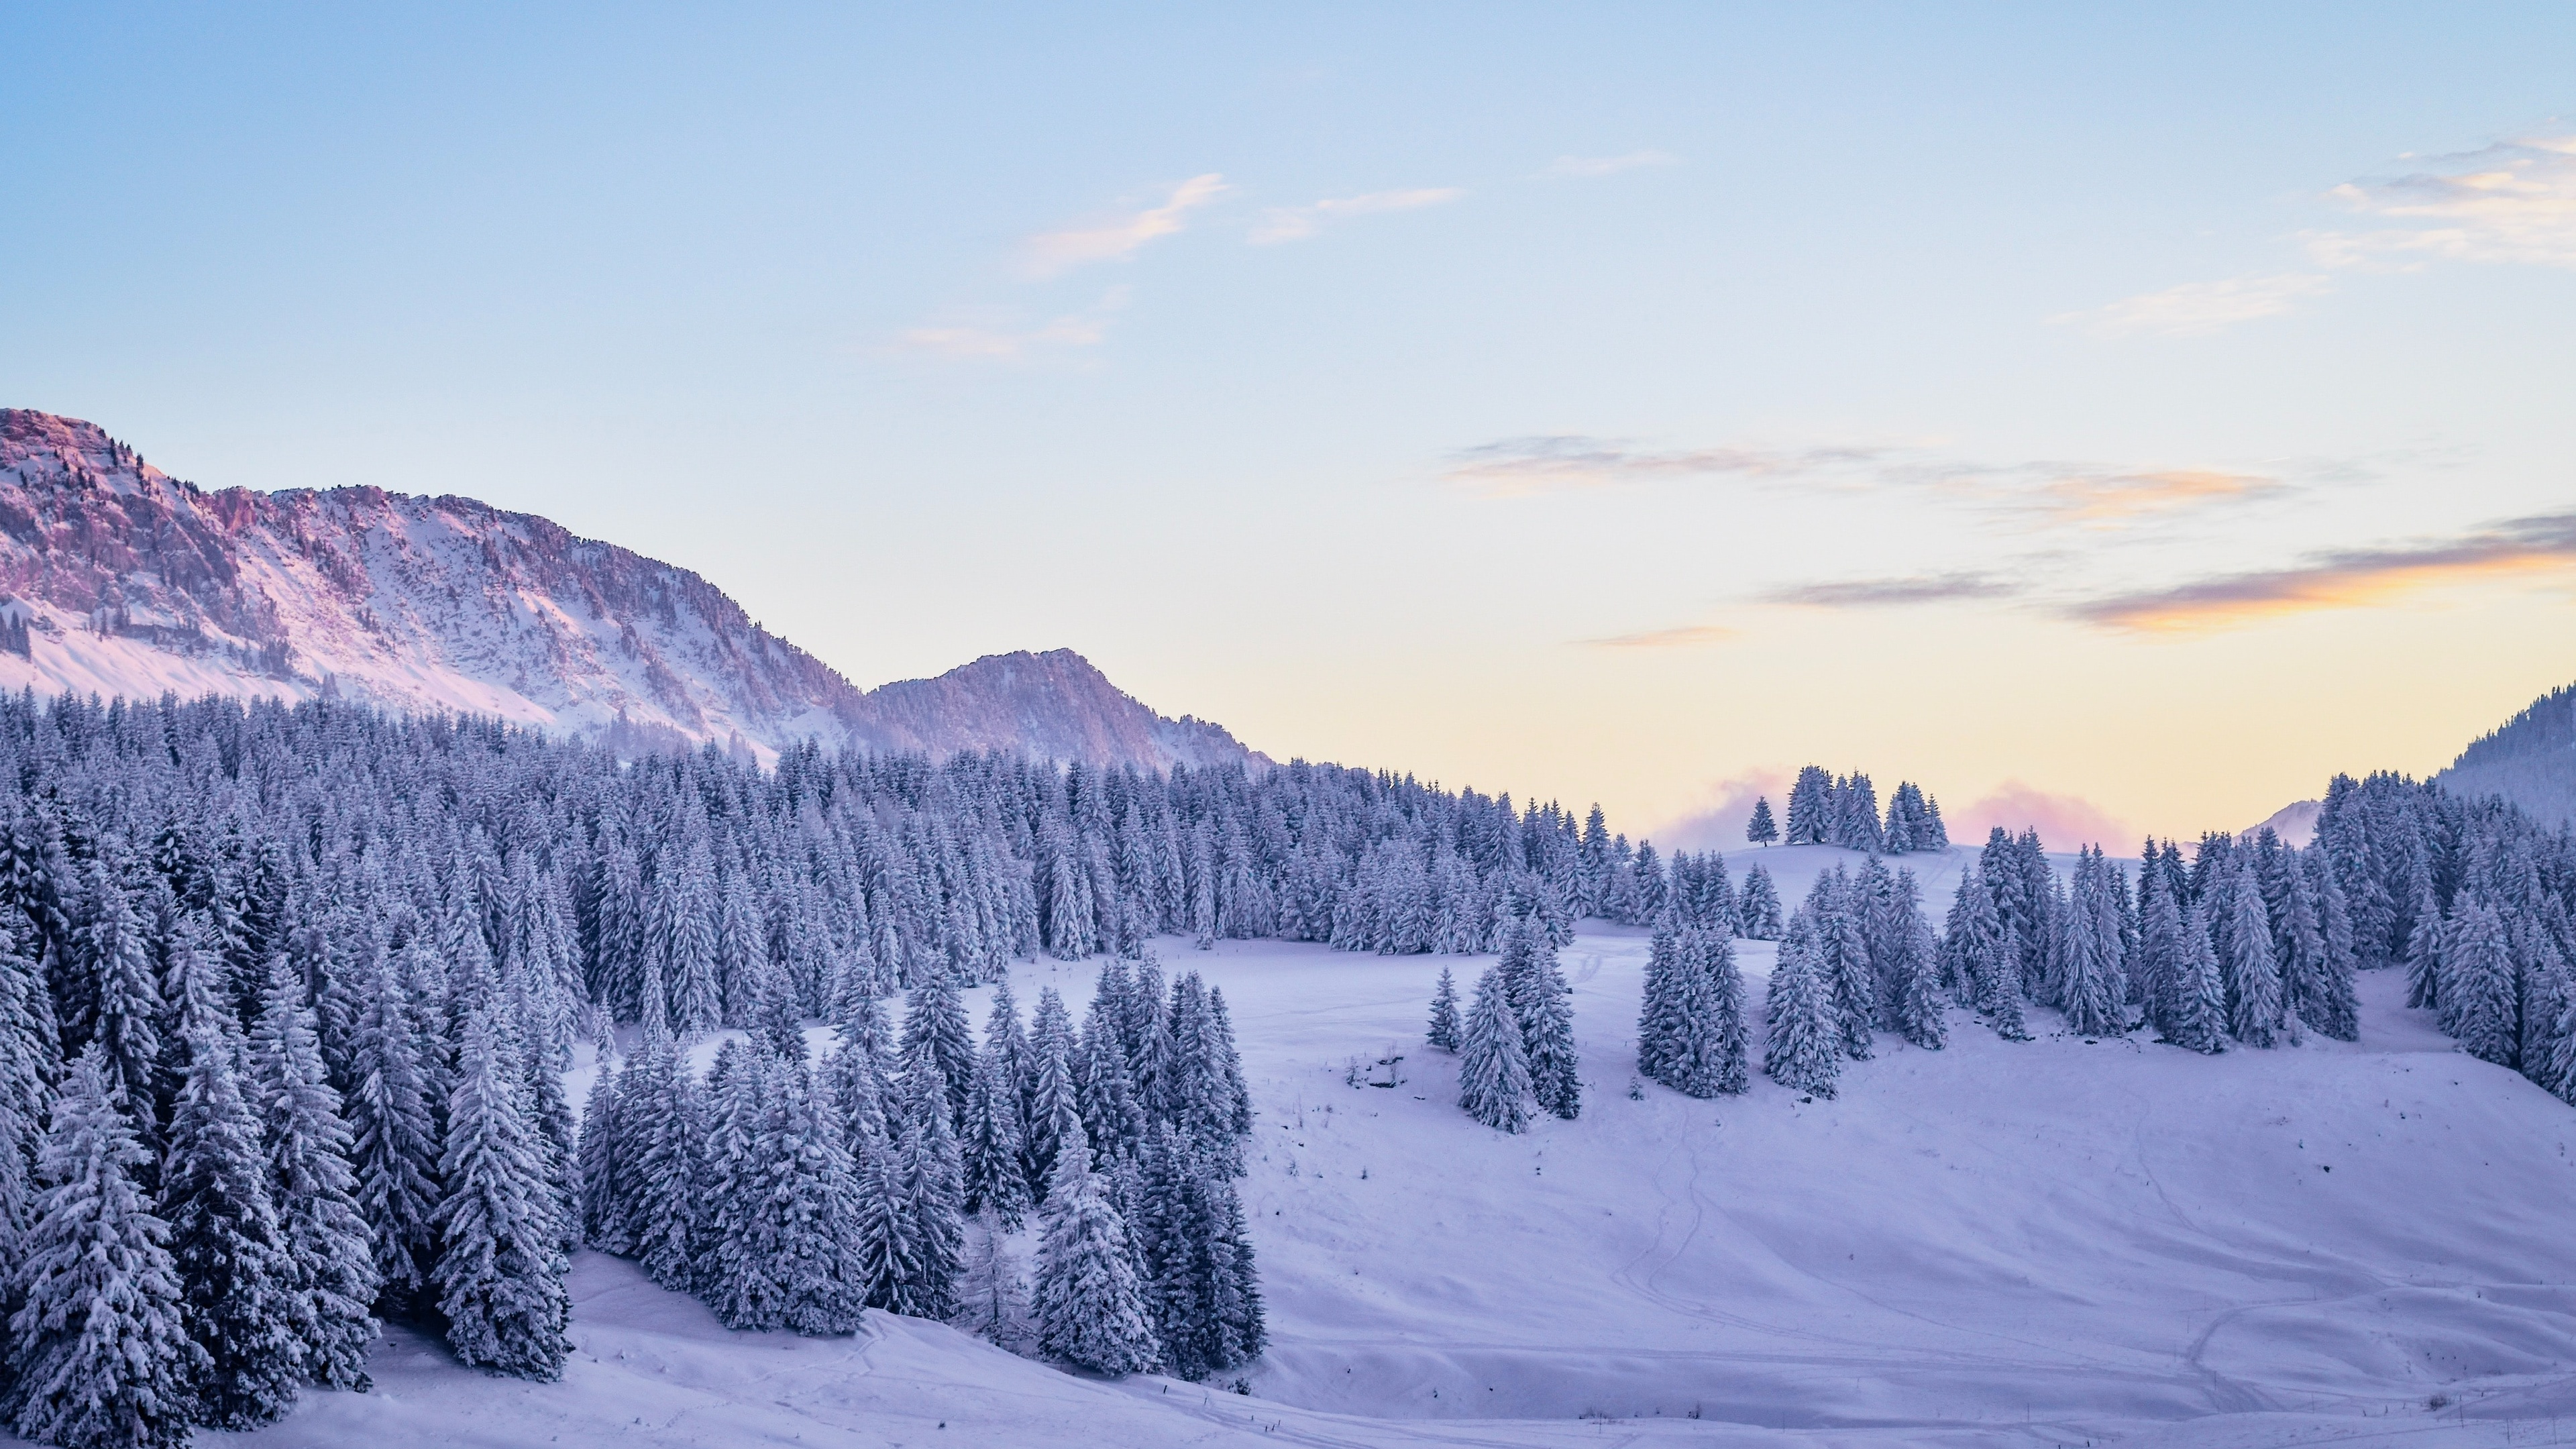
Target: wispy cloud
(1894, 593)
(2039, 493)
(2197, 309)
(1295, 223)
(2514, 202)
(974, 342)
(1557, 462)
(1686, 636)
(1118, 237)
(2093, 495)
(1573, 166)
(2343, 578)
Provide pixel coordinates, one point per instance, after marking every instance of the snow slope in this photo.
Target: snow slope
(2046, 1242)
(131, 582)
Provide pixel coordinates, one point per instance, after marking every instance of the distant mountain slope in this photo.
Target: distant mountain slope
(119, 579)
(2530, 759)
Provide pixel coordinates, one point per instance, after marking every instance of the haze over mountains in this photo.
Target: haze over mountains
(121, 580)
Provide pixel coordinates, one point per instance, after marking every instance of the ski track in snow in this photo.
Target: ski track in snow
(2040, 1243)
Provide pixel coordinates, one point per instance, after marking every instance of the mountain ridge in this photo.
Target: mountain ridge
(121, 579)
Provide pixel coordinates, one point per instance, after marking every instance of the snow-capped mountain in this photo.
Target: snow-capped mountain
(121, 580)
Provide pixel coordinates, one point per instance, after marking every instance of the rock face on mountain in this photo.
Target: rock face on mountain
(121, 580)
(2530, 760)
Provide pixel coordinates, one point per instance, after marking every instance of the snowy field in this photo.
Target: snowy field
(2050, 1242)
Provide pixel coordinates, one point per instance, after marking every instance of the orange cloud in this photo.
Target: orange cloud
(2345, 578)
(2063, 821)
(2107, 498)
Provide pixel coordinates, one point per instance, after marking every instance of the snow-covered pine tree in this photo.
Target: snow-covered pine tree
(1758, 906)
(2196, 1008)
(98, 1356)
(1090, 1307)
(1661, 1014)
(2339, 1007)
(238, 1294)
(1761, 829)
(994, 1298)
(664, 1161)
(29, 1063)
(605, 1220)
(816, 1262)
(1547, 1027)
(1842, 960)
(313, 1189)
(934, 1193)
(996, 1177)
(1810, 807)
(1493, 1066)
(1913, 968)
(500, 1272)
(1053, 1105)
(393, 1136)
(2477, 975)
(1803, 1050)
(112, 999)
(2091, 990)
(934, 1023)
(1446, 1030)
(2253, 975)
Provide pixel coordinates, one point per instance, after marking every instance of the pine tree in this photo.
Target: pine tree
(1446, 1030)
(98, 1355)
(28, 1063)
(313, 1189)
(2332, 1006)
(2198, 1011)
(1804, 1049)
(1493, 1067)
(1091, 1310)
(1663, 1015)
(115, 1003)
(933, 1193)
(1054, 1108)
(238, 1297)
(2478, 978)
(996, 1179)
(2092, 993)
(1760, 829)
(394, 1144)
(1914, 970)
(500, 1272)
(1758, 908)
(605, 1221)
(995, 1299)
(934, 1030)
(2253, 976)
(664, 1161)
(1842, 961)
(1545, 1005)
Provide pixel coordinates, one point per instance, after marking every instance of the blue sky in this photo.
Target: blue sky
(2161, 407)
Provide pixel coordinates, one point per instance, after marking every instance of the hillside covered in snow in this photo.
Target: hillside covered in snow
(2001, 1243)
(2530, 760)
(120, 580)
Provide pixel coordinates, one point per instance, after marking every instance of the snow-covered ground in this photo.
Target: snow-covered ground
(2050, 1242)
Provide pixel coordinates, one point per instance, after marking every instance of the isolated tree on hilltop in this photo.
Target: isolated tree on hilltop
(1761, 829)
